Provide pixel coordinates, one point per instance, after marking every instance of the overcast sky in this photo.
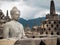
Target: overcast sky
(30, 9)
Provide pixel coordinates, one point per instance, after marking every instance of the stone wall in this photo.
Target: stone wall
(29, 41)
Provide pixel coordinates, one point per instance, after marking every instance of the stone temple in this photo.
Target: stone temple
(3, 20)
(51, 26)
(52, 23)
(48, 33)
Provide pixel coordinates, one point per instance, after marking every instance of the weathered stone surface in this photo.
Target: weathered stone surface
(29, 41)
(7, 42)
(37, 41)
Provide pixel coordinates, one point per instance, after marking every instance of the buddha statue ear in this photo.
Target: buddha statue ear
(14, 9)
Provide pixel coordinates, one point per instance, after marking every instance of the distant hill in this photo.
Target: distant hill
(31, 22)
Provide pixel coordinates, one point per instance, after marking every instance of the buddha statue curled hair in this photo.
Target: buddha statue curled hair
(14, 9)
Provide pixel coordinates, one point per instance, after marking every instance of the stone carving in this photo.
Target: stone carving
(14, 29)
(2, 21)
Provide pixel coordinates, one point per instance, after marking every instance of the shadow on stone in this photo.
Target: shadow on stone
(42, 43)
(58, 41)
(1, 37)
(17, 42)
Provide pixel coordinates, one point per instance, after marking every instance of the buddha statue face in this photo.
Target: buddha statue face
(15, 13)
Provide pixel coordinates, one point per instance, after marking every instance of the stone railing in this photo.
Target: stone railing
(29, 41)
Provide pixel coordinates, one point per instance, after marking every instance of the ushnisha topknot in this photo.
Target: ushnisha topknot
(14, 9)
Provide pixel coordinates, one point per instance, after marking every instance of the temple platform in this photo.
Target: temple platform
(29, 41)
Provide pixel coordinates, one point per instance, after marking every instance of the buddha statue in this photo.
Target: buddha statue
(14, 29)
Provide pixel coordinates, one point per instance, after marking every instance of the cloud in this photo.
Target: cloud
(43, 4)
(41, 13)
(9, 0)
(38, 3)
(29, 8)
(8, 6)
(29, 12)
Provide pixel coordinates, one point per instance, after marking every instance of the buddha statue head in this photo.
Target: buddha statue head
(15, 13)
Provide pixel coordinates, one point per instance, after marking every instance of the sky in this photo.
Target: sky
(29, 9)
